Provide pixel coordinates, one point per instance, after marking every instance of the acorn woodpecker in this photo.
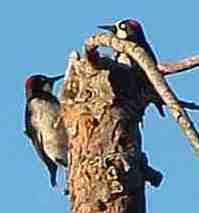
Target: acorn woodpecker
(131, 30)
(42, 123)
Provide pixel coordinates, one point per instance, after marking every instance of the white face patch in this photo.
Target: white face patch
(121, 33)
(123, 26)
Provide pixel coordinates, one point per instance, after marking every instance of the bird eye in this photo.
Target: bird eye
(123, 26)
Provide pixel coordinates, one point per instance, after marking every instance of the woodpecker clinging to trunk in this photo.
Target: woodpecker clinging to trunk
(41, 120)
(131, 30)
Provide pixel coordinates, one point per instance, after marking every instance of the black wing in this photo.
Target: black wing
(159, 104)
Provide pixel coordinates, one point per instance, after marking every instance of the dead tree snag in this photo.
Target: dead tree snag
(107, 169)
(102, 109)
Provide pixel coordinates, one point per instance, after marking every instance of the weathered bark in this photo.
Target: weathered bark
(107, 169)
(102, 109)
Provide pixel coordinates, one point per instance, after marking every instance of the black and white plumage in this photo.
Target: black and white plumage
(131, 30)
(41, 120)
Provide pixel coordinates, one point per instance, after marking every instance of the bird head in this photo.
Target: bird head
(40, 83)
(128, 29)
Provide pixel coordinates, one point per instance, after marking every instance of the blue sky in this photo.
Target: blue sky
(36, 37)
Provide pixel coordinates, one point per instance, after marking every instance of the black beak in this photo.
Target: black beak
(56, 78)
(111, 28)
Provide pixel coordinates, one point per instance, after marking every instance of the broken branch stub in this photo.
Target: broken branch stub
(140, 56)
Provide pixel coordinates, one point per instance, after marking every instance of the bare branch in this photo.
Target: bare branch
(159, 83)
(180, 66)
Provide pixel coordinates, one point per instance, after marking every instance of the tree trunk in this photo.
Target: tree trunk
(102, 109)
